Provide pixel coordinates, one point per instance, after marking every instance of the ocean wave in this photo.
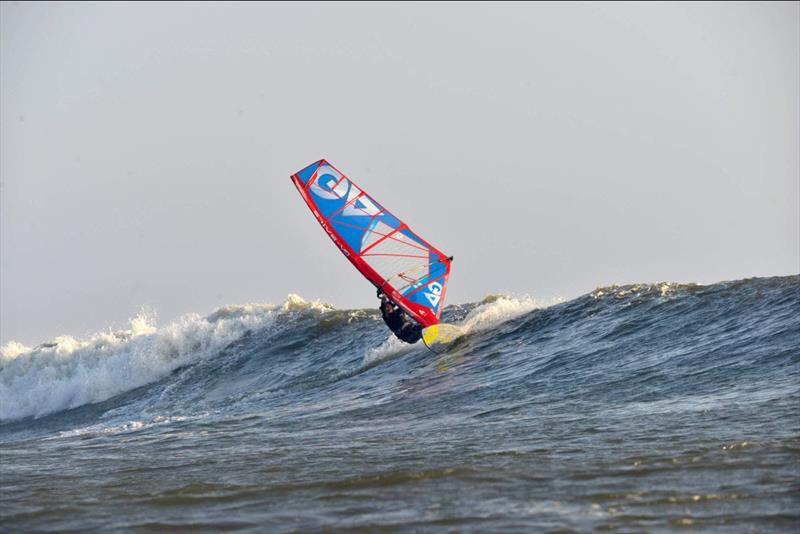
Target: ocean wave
(649, 394)
(68, 372)
(304, 344)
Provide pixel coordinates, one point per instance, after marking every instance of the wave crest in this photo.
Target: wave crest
(68, 372)
(296, 303)
(496, 309)
(660, 289)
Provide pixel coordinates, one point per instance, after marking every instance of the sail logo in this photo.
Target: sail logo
(434, 293)
(332, 185)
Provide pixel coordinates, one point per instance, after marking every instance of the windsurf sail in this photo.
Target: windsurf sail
(409, 270)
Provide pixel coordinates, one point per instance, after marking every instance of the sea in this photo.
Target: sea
(635, 408)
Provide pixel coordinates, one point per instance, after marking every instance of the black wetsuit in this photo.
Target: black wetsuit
(405, 328)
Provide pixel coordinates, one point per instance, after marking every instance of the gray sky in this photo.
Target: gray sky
(145, 149)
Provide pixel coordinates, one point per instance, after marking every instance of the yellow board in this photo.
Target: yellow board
(438, 336)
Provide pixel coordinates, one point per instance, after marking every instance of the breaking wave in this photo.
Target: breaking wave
(248, 354)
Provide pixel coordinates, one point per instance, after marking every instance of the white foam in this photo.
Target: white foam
(497, 309)
(391, 348)
(13, 349)
(296, 303)
(120, 427)
(68, 372)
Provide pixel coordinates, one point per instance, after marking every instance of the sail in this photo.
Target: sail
(411, 271)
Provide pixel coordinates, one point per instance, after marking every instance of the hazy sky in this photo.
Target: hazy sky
(145, 149)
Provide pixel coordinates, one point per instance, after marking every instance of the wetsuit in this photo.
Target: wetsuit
(405, 328)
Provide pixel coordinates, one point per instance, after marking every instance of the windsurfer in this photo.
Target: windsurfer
(398, 321)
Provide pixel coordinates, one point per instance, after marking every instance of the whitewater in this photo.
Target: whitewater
(644, 407)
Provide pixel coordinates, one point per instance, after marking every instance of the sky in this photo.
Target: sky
(552, 148)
